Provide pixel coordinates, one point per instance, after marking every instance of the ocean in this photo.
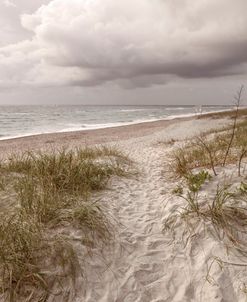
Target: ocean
(19, 121)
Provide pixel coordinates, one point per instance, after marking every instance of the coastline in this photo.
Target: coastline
(70, 139)
(116, 125)
(85, 137)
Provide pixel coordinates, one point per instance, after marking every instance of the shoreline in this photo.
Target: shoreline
(84, 137)
(168, 118)
(56, 140)
(107, 126)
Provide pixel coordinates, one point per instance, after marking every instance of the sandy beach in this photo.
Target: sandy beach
(142, 263)
(123, 151)
(87, 137)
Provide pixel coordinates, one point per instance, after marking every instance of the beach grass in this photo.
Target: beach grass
(50, 192)
(200, 166)
(224, 216)
(209, 149)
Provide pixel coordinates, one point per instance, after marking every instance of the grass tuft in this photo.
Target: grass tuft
(51, 191)
(224, 215)
(208, 150)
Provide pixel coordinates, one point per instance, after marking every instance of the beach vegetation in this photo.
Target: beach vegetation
(223, 216)
(238, 99)
(178, 190)
(209, 149)
(52, 192)
(202, 166)
(196, 180)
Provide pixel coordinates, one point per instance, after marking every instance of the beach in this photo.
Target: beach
(123, 151)
(79, 138)
(86, 137)
(142, 262)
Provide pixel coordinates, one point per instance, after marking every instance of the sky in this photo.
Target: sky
(122, 51)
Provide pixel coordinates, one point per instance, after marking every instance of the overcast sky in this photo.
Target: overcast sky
(122, 51)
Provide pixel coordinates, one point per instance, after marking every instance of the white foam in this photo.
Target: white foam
(84, 127)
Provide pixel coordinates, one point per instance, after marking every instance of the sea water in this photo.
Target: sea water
(18, 121)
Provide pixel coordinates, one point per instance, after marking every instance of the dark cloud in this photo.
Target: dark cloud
(133, 43)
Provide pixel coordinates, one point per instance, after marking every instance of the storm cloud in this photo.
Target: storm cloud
(133, 43)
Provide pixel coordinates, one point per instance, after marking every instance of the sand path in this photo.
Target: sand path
(138, 264)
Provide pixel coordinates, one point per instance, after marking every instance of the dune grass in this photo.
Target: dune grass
(224, 216)
(196, 165)
(208, 150)
(51, 191)
(73, 172)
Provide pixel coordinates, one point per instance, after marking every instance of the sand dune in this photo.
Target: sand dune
(144, 264)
